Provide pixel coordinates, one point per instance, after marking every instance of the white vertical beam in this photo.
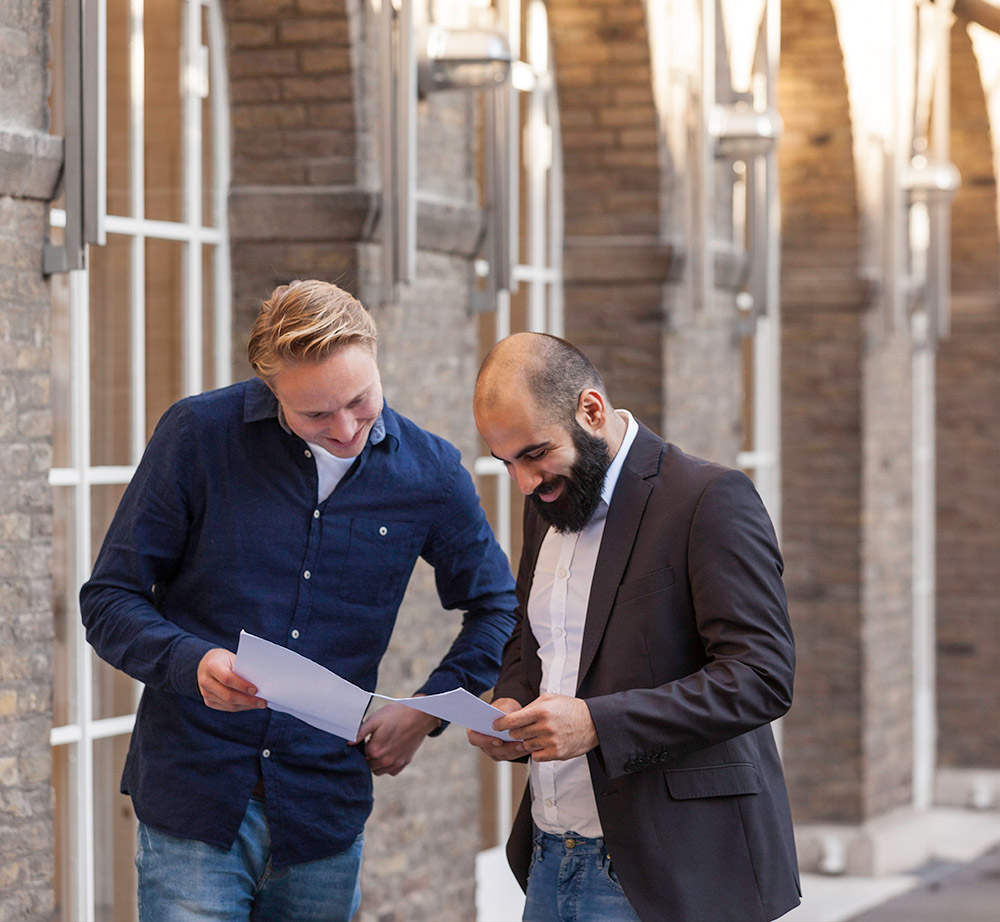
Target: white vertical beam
(95, 121)
(137, 279)
(193, 77)
(406, 144)
(557, 323)
(82, 773)
(223, 295)
(705, 176)
(924, 564)
(539, 161)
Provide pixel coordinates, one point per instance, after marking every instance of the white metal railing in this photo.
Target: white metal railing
(202, 68)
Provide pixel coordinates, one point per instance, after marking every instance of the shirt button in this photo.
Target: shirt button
(558, 632)
(563, 573)
(548, 802)
(307, 575)
(308, 453)
(295, 634)
(266, 753)
(315, 513)
(383, 531)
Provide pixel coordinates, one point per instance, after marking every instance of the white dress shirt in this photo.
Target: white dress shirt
(562, 795)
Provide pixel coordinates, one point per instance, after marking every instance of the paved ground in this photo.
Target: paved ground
(947, 893)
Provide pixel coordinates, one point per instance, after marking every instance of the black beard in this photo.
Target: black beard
(574, 509)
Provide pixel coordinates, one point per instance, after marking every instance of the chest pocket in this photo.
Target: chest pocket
(380, 557)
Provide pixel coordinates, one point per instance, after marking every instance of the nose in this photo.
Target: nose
(342, 428)
(526, 480)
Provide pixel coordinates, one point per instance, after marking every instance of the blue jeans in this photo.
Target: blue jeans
(572, 880)
(184, 880)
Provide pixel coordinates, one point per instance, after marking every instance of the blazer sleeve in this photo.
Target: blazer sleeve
(741, 619)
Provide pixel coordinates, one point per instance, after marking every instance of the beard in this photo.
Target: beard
(574, 509)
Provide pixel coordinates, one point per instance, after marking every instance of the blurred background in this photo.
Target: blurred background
(773, 226)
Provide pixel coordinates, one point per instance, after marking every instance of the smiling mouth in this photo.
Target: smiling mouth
(549, 492)
(350, 444)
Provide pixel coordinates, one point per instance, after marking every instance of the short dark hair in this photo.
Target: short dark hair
(559, 375)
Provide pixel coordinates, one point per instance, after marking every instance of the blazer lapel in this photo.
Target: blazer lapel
(628, 502)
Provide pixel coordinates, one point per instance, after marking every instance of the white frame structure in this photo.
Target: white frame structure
(541, 275)
(202, 65)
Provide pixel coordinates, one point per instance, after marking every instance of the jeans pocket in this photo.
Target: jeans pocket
(536, 856)
(608, 873)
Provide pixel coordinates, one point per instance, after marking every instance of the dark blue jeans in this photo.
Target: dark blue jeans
(184, 880)
(572, 880)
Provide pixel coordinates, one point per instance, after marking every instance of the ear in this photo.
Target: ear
(591, 411)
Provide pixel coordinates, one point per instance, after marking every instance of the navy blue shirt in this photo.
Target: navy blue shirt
(220, 531)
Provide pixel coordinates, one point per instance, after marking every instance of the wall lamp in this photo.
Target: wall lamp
(415, 62)
(930, 179)
(464, 59)
(471, 60)
(741, 132)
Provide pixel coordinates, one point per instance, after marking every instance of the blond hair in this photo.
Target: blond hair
(306, 321)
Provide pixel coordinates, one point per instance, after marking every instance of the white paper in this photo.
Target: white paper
(295, 685)
(458, 706)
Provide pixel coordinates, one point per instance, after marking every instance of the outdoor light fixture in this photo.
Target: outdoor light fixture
(452, 59)
(741, 132)
(415, 62)
(926, 179)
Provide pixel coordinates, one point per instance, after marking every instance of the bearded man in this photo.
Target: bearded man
(651, 651)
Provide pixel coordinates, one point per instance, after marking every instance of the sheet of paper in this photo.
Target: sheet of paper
(458, 706)
(294, 684)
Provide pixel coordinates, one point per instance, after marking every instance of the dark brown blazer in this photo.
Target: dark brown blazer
(687, 656)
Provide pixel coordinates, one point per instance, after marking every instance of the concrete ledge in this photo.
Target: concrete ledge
(287, 213)
(978, 788)
(616, 259)
(346, 214)
(896, 843)
(449, 226)
(30, 164)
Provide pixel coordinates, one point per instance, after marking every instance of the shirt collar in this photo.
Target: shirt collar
(611, 477)
(260, 404)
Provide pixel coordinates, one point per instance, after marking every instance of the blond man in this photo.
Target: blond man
(292, 505)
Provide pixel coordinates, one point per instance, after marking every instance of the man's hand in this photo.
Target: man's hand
(223, 689)
(392, 736)
(499, 750)
(552, 728)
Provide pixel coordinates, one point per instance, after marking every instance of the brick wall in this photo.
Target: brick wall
(423, 836)
(29, 162)
(886, 532)
(968, 444)
(821, 421)
(615, 262)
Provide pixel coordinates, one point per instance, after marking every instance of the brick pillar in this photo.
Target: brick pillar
(29, 165)
(847, 444)
(968, 445)
(615, 260)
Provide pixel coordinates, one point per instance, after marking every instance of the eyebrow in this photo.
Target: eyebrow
(527, 450)
(359, 396)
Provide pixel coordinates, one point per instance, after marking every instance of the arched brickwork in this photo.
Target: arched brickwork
(615, 264)
(822, 299)
(968, 442)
